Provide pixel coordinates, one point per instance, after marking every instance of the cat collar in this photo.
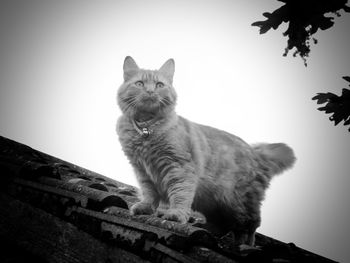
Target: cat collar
(142, 129)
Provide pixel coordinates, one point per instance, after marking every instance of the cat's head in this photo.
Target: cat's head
(147, 94)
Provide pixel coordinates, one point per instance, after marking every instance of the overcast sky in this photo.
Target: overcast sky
(61, 65)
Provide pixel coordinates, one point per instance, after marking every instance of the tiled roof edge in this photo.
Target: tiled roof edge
(98, 206)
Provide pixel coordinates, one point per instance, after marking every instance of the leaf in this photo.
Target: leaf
(325, 23)
(326, 109)
(258, 23)
(267, 14)
(329, 110)
(264, 26)
(325, 97)
(339, 116)
(337, 106)
(345, 94)
(347, 78)
(346, 8)
(304, 18)
(316, 97)
(347, 122)
(320, 98)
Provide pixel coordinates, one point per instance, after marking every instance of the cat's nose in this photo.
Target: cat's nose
(149, 90)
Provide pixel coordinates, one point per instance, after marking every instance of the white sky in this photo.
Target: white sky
(61, 65)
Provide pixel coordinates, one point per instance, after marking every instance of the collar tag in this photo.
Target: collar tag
(145, 132)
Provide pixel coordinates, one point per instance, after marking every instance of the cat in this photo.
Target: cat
(183, 166)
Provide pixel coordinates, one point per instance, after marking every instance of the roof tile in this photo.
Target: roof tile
(98, 206)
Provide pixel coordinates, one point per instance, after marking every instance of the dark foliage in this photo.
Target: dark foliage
(305, 18)
(339, 106)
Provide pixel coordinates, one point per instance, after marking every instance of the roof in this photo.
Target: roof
(54, 211)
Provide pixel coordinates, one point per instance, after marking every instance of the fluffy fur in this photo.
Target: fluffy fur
(181, 165)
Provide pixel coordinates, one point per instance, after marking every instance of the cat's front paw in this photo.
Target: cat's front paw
(141, 208)
(176, 215)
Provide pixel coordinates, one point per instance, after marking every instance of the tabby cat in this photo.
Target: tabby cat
(183, 166)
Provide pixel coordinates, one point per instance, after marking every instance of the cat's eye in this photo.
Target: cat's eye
(159, 85)
(139, 83)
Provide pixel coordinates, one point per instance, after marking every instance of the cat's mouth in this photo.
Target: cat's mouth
(149, 103)
(144, 116)
(150, 99)
(148, 108)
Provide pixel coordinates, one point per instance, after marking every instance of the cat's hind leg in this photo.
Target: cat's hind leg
(245, 237)
(245, 234)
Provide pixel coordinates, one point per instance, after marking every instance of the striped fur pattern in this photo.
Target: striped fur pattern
(183, 165)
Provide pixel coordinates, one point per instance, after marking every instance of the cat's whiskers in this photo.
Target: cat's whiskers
(130, 102)
(165, 101)
(159, 105)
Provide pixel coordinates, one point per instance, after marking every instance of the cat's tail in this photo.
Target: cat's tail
(275, 157)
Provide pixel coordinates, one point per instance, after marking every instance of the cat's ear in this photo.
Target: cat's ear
(168, 69)
(130, 68)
